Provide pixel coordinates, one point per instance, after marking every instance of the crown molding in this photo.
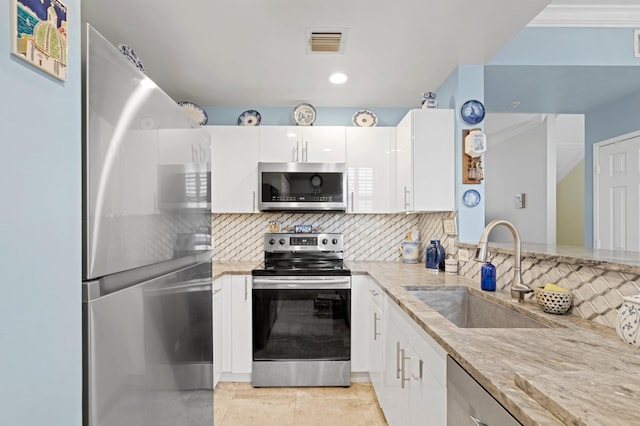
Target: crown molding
(599, 16)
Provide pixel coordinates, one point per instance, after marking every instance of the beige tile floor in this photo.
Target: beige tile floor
(238, 404)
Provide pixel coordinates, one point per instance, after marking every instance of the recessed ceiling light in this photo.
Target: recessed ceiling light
(338, 78)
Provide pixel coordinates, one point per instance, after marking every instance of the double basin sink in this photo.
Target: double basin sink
(465, 309)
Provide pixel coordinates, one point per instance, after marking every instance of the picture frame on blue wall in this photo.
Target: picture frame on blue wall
(39, 35)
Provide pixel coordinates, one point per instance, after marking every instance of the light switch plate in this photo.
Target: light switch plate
(449, 226)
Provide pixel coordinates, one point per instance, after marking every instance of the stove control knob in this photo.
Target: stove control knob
(334, 241)
(325, 241)
(272, 241)
(281, 241)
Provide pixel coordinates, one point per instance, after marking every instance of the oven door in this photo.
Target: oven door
(301, 331)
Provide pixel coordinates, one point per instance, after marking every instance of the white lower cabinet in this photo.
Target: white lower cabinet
(375, 336)
(240, 324)
(359, 323)
(414, 383)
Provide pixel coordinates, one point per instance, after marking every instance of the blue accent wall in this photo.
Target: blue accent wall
(465, 83)
(40, 225)
(326, 116)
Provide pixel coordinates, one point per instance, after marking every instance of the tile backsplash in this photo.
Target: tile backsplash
(367, 237)
(597, 292)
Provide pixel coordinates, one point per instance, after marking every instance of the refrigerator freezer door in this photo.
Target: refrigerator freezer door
(133, 132)
(148, 352)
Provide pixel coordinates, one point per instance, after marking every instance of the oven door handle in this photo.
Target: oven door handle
(301, 283)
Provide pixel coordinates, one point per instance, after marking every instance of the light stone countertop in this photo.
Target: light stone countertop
(575, 372)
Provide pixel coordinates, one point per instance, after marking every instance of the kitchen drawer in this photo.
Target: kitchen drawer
(376, 294)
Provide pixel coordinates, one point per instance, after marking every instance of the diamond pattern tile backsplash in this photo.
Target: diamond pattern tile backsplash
(367, 237)
(597, 293)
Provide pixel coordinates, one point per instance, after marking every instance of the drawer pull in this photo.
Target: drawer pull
(478, 422)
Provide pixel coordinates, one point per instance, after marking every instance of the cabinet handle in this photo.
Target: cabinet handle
(404, 371)
(353, 207)
(306, 151)
(216, 291)
(421, 366)
(254, 201)
(194, 153)
(406, 203)
(376, 333)
(246, 289)
(398, 360)
(373, 292)
(297, 146)
(478, 422)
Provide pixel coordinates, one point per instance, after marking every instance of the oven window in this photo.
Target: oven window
(291, 325)
(302, 187)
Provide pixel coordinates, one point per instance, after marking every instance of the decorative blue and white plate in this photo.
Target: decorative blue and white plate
(365, 118)
(195, 112)
(304, 114)
(472, 112)
(471, 198)
(250, 117)
(130, 54)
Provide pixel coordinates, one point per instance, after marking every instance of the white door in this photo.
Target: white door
(617, 195)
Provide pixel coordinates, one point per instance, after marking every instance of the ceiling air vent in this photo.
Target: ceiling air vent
(326, 41)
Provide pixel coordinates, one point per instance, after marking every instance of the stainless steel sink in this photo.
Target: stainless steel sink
(468, 310)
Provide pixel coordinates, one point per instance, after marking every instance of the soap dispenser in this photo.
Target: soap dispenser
(488, 276)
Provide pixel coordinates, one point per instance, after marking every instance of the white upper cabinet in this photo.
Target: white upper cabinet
(425, 177)
(369, 161)
(234, 169)
(324, 144)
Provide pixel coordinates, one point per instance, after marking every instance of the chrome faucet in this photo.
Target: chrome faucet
(518, 289)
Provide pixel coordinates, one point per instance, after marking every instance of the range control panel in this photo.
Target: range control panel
(284, 242)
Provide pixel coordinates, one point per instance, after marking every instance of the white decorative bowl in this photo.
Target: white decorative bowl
(628, 321)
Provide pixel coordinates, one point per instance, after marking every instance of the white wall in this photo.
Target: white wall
(518, 165)
(40, 249)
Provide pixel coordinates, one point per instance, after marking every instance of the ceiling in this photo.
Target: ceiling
(253, 53)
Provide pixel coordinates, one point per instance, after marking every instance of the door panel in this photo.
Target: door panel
(617, 198)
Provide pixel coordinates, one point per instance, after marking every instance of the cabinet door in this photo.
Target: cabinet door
(280, 143)
(395, 396)
(404, 164)
(218, 327)
(433, 160)
(241, 356)
(359, 323)
(427, 396)
(180, 146)
(325, 144)
(369, 169)
(376, 335)
(234, 169)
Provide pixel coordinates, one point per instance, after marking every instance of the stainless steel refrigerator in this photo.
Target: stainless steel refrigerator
(147, 323)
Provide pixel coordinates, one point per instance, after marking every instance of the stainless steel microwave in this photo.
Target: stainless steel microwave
(302, 186)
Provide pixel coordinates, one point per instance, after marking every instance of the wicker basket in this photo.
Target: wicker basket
(553, 302)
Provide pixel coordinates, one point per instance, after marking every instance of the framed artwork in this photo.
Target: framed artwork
(39, 34)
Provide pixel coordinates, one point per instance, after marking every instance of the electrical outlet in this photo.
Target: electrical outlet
(449, 226)
(520, 201)
(463, 255)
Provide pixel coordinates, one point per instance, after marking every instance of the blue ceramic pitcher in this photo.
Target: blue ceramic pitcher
(434, 257)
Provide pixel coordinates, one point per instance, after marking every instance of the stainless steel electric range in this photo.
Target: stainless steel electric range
(302, 312)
